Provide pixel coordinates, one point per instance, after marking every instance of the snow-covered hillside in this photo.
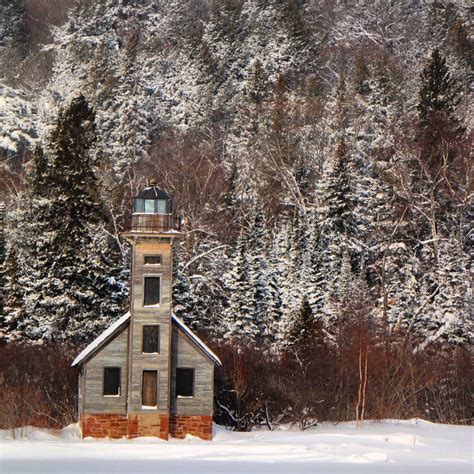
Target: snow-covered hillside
(413, 446)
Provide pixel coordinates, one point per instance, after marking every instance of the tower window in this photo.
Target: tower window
(185, 382)
(151, 290)
(150, 388)
(152, 259)
(111, 381)
(149, 206)
(151, 339)
(162, 206)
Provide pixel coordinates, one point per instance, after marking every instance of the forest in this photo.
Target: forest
(319, 155)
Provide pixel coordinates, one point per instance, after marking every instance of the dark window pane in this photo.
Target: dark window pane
(152, 290)
(149, 388)
(111, 380)
(185, 382)
(152, 259)
(151, 339)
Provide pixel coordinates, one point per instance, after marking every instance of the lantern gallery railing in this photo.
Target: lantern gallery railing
(155, 223)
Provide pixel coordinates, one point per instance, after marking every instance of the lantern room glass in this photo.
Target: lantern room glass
(152, 206)
(149, 206)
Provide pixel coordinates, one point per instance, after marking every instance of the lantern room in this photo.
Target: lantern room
(153, 211)
(152, 200)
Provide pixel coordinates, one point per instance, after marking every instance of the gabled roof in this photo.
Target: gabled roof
(196, 340)
(101, 341)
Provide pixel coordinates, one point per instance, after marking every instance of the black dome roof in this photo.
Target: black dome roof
(152, 192)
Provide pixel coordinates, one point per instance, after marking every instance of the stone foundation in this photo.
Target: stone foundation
(200, 426)
(101, 425)
(148, 424)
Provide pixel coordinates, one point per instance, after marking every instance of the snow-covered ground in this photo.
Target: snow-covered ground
(406, 447)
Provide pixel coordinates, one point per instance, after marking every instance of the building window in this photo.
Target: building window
(152, 259)
(111, 381)
(151, 339)
(152, 291)
(185, 382)
(150, 388)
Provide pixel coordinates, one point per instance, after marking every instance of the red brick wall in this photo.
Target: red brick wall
(200, 426)
(101, 425)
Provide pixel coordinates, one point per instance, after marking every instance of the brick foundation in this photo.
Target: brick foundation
(101, 425)
(200, 426)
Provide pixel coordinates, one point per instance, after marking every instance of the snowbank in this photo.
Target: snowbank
(413, 446)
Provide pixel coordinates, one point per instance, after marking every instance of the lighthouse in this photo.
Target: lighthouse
(148, 374)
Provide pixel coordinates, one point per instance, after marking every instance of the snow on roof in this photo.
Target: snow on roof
(196, 340)
(97, 343)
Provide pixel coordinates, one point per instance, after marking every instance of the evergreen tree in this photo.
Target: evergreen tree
(71, 267)
(132, 136)
(298, 248)
(304, 331)
(257, 84)
(240, 323)
(445, 296)
(184, 304)
(316, 278)
(13, 37)
(337, 193)
(438, 92)
(12, 321)
(274, 319)
(258, 272)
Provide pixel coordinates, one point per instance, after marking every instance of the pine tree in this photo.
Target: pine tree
(71, 268)
(240, 323)
(258, 272)
(438, 92)
(132, 136)
(184, 304)
(444, 294)
(337, 193)
(279, 281)
(305, 331)
(257, 84)
(316, 279)
(12, 322)
(274, 316)
(13, 37)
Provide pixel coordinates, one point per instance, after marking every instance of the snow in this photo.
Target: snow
(412, 446)
(100, 340)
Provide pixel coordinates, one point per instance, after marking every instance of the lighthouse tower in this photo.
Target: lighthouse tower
(151, 236)
(148, 374)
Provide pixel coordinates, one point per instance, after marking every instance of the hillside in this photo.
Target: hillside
(318, 153)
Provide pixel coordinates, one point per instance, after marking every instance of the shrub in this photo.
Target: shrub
(37, 386)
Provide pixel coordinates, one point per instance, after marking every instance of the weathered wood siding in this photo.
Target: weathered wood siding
(158, 314)
(114, 354)
(186, 355)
